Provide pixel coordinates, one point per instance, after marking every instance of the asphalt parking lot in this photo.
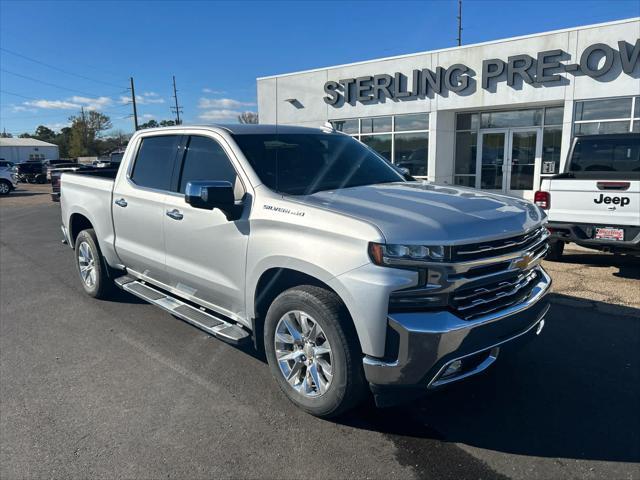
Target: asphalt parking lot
(120, 389)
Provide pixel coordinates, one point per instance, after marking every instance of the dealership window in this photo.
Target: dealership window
(401, 139)
(468, 128)
(551, 140)
(609, 115)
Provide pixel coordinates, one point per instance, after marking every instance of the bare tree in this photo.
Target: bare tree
(248, 117)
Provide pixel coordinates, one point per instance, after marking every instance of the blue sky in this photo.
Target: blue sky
(217, 49)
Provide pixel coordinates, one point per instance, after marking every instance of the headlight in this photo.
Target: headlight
(405, 255)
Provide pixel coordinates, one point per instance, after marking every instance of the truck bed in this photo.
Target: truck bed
(89, 194)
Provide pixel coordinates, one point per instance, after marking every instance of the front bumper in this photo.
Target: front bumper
(582, 234)
(429, 342)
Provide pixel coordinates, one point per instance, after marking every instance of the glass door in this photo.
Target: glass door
(491, 160)
(524, 157)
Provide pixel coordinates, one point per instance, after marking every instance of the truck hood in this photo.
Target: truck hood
(420, 212)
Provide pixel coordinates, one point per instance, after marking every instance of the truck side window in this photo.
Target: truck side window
(154, 164)
(206, 160)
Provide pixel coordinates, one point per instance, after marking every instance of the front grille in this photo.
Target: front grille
(473, 251)
(474, 301)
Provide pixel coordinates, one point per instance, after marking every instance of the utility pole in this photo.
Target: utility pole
(177, 109)
(133, 102)
(459, 22)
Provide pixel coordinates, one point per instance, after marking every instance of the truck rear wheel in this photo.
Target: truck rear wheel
(556, 247)
(92, 268)
(313, 351)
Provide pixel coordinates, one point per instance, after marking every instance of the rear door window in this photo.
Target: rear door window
(205, 159)
(606, 155)
(153, 167)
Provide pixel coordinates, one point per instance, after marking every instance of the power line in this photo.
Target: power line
(17, 95)
(59, 69)
(48, 83)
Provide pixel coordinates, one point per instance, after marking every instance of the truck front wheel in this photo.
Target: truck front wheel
(91, 266)
(313, 351)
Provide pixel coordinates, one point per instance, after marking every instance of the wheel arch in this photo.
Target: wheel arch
(77, 223)
(275, 280)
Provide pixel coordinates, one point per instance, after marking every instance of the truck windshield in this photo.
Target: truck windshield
(301, 164)
(606, 155)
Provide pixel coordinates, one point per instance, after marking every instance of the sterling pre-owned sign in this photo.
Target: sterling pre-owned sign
(595, 61)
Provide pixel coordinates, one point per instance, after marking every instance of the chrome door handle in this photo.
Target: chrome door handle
(175, 214)
(121, 202)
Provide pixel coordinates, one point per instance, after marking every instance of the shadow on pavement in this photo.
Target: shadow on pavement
(574, 392)
(628, 265)
(26, 193)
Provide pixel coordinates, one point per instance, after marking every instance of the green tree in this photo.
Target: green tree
(248, 117)
(63, 140)
(86, 130)
(149, 124)
(24, 135)
(45, 134)
(167, 123)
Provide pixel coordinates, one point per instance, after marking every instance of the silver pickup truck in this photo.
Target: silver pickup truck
(349, 276)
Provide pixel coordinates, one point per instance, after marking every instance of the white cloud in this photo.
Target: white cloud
(57, 126)
(218, 115)
(92, 103)
(21, 108)
(144, 99)
(222, 103)
(213, 92)
(53, 104)
(72, 103)
(147, 116)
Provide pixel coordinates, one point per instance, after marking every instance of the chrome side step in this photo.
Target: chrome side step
(206, 321)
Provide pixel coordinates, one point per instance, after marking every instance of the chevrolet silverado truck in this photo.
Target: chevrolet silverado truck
(349, 277)
(595, 203)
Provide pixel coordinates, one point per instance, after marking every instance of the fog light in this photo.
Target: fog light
(453, 368)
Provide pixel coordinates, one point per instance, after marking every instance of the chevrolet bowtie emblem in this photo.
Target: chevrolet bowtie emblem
(524, 261)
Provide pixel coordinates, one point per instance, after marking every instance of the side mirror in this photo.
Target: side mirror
(213, 194)
(405, 172)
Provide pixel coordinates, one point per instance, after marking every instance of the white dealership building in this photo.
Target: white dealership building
(498, 115)
(18, 150)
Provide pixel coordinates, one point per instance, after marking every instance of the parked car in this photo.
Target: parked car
(56, 173)
(112, 161)
(348, 276)
(59, 166)
(31, 171)
(595, 203)
(8, 179)
(5, 163)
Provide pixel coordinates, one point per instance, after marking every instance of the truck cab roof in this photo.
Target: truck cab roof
(248, 129)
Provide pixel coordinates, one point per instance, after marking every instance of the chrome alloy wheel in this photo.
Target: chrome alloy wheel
(4, 188)
(303, 353)
(86, 263)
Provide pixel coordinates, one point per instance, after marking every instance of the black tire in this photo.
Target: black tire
(6, 187)
(348, 386)
(102, 285)
(556, 247)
